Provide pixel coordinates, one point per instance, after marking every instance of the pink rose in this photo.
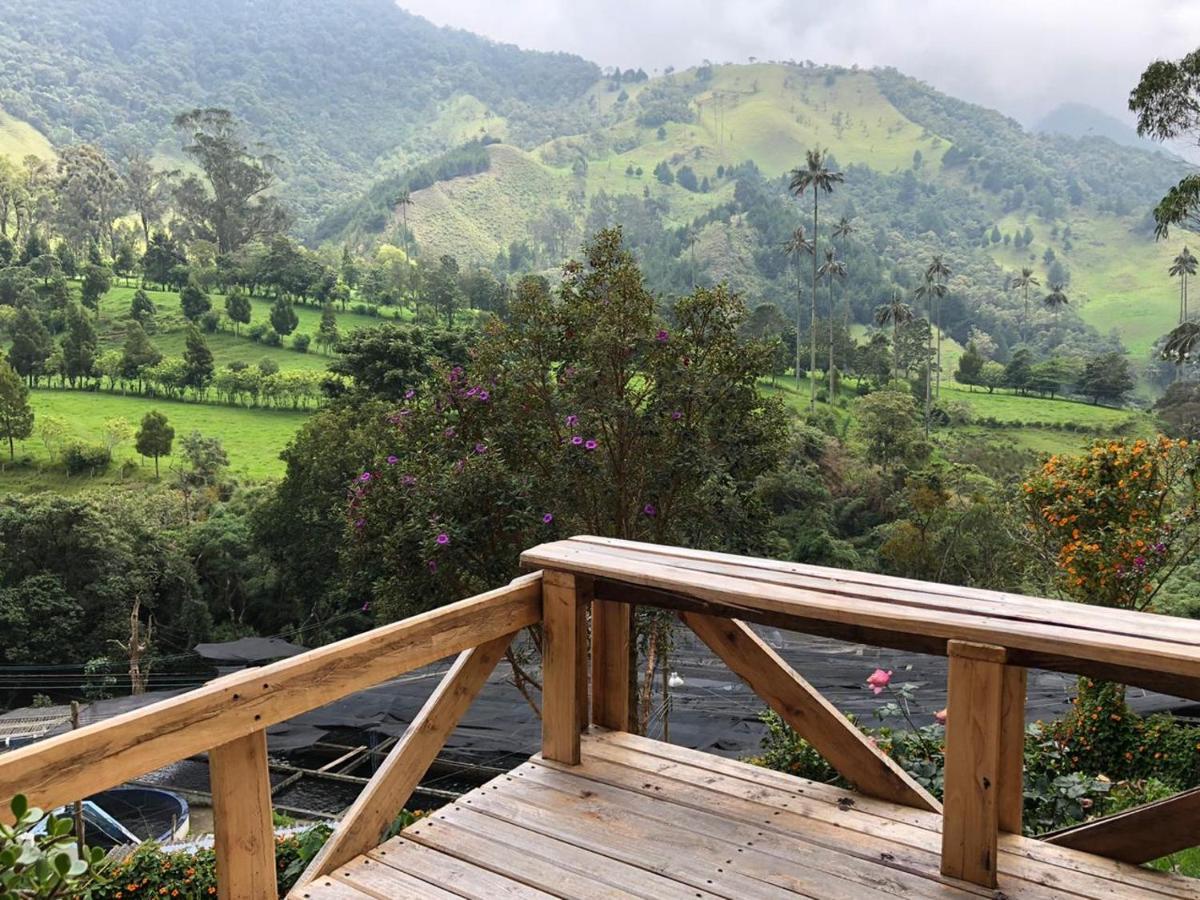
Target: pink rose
(940, 717)
(879, 679)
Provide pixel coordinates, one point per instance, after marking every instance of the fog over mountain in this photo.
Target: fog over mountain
(1023, 57)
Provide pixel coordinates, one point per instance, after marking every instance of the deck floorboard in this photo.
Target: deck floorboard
(639, 818)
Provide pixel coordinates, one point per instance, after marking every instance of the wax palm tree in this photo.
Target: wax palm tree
(937, 271)
(1182, 342)
(1025, 280)
(691, 242)
(897, 312)
(1183, 266)
(404, 201)
(931, 291)
(841, 233)
(830, 269)
(1056, 300)
(795, 245)
(814, 175)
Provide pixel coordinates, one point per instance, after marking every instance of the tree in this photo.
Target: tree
(1166, 101)
(154, 437)
(194, 301)
(443, 288)
(327, 331)
(887, 422)
(96, 282)
(1055, 300)
(78, 345)
(89, 194)
(814, 176)
(138, 354)
(404, 201)
(1107, 377)
(146, 189)
(970, 364)
(16, 415)
(162, 259)
(898, 313)
(831, 269)
(1024, 282)
(991, 376)
(796, 244)
(237, 307)
(1181, 342)
(197, 361)
(1019, 370)
(231, 205)
(933, 290)
(117, 431)
(142, 309)
(663, 173)
(283, 317)
(1182, 267)
(31, 345)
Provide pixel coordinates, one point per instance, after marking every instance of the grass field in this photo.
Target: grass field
(19, 139)
(253, 438)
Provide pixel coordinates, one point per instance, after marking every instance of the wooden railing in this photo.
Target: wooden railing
(989, 638)
(228, 718)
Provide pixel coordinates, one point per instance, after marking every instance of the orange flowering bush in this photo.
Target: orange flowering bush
(1118, 520)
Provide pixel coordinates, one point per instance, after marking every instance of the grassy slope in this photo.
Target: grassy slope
(19, 139)
(253, 438)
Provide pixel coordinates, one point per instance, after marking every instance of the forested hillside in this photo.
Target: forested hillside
(347, 88)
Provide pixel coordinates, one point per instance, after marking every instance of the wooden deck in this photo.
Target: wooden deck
(641, 818)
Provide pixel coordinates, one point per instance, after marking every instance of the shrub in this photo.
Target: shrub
(256, 331)
(80, 457)
(271, 337)
(301, 342)
(45, 864)
(210, 322)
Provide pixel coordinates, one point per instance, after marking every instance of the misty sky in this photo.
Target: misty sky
(1023, 57)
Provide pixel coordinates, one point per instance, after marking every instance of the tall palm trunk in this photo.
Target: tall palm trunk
(928, 373)
(895, 347)
(1025, 321)
(812, 319)
(799, 298)
(939, 349)
(832, 388)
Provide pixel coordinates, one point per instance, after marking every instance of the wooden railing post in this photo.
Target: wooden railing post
(1012, 750)
(971, 802)
(612, 628)
(245, 832)
(564, 664)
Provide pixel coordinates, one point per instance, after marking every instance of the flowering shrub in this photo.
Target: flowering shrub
(1117, 521)
(44, 863)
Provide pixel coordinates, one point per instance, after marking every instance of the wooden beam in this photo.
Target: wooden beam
(970, 824)
(245, 832)
(1140, 834)
(61, 769)
(1011, 790)
(564, 648)
(364, 823)
(813, 717)
(1164, 658)
(612, 626)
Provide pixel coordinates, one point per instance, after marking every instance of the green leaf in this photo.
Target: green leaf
(19, 805)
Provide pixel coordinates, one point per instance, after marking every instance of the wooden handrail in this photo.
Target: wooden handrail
(65, 768)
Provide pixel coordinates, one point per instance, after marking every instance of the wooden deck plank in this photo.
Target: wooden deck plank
(464, 878)
(326, 888)
(535, 859)
(824, 803)
(378, 880)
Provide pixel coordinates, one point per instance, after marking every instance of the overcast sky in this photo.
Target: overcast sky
(1023, 57)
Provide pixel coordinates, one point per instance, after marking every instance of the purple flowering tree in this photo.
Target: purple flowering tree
(584, 412)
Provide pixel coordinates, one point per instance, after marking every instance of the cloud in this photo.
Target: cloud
(1022, 57)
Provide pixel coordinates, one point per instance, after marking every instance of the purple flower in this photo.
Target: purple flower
(366, 607)
(406, 412)
(572, 420)
(409, 394)
(443, 539)
(481, 448)
(1139, 562)
(590, 445)
(471, 392)
(650, 510)
(576, 440)
(450, 432)
(1160, 547)
(662, 337)
(409, 480)
(432, 565)
(364, 477)
(547, 518)
(359, 523)
(676, 416)
(392, 460)
(484, 396)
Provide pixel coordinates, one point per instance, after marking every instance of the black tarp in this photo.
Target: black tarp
(249, 650)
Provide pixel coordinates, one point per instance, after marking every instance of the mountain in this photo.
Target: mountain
(1082, 121)
(340, 89)
(511, 158)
